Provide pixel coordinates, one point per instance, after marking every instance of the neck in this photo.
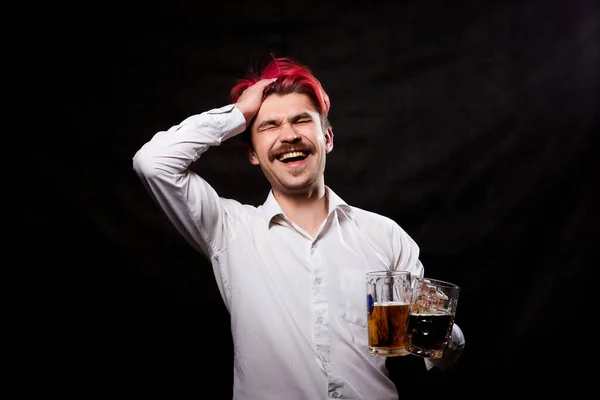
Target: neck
(308, 209)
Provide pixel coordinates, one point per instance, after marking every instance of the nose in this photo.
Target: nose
(288, 134)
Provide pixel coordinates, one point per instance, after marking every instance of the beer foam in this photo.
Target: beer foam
(431, 314)
(391, 303)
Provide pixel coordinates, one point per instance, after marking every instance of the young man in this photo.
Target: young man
(291, 271)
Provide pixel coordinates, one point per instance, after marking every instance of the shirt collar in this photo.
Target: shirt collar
(272, 209)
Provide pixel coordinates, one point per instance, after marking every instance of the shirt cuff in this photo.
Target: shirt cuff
(451, 353)
(230, 118)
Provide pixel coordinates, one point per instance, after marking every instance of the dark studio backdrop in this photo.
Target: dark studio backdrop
(474, 125)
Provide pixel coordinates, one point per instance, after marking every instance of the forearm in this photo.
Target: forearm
(169, 153)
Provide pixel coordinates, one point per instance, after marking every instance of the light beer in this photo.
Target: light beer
(427, 334)
(387, 328)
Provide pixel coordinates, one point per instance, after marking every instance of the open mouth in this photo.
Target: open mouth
(292, 156)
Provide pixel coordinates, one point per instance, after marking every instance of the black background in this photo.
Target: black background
(472, 124)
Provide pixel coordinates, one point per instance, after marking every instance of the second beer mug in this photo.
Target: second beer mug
(431, 317)
(388, 302)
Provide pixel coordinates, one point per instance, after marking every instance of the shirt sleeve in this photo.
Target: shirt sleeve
(451, 353)
(189, 202)
(408, 259)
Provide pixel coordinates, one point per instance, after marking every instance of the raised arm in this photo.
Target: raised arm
(190, 203)
(162, 164)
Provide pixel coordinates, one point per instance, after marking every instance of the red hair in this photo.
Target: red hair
(292, 77)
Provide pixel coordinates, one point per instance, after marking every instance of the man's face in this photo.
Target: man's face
(289, 143)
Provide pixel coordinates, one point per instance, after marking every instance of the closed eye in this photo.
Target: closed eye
(268, 125)
(266, 128)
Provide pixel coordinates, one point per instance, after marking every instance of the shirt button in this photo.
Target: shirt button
(318, 281)
(335, 395)
(319, 320)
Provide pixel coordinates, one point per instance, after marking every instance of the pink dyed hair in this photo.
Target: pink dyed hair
(292, 77)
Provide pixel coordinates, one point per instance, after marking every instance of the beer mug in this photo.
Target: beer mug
(388, 302)
(431, 316)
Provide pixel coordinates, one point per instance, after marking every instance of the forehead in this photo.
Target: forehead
(277, 106)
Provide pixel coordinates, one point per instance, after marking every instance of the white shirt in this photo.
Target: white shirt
(297, 303)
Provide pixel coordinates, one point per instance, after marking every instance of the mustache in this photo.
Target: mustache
(288, 148)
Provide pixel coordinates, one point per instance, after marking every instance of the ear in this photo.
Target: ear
(251, 153)
(328, 140)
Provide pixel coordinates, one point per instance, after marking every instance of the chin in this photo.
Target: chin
(298, 186)
(294, 189)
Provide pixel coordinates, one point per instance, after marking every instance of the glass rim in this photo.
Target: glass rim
(388, 273)
(437, 282)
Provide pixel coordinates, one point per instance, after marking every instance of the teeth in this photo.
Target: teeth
(290, 155)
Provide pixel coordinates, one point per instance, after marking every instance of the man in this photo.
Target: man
(291, 271)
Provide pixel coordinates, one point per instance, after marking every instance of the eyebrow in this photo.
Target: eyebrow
(275, 122)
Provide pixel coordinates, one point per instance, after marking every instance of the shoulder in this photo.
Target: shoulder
(381, 228)
(239, 209)
(373, 219)
(386, 236)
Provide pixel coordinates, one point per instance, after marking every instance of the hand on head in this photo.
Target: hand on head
(250, 100)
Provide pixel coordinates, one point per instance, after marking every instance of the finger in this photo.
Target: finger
(267, 82)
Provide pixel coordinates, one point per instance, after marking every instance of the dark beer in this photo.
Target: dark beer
(387, 328)
(427, 334)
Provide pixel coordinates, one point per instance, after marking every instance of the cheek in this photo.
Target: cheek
(263, 142)
(321, 142)
(261, 151)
